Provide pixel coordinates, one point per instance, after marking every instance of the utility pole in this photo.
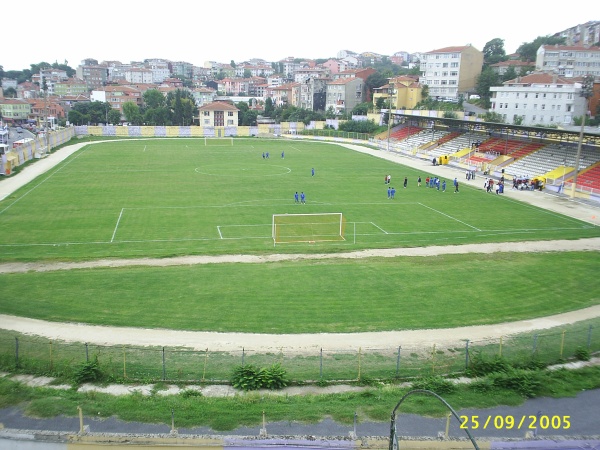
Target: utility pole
(586, 92)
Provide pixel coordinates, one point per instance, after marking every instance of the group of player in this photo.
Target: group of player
(430, 182)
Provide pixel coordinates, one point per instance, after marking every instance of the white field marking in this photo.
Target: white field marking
(140, 241)
(225, 172)
(145, 148)
(219, 231)
(295, 148)
(377, 226)
(77, 155)
(449, 216)
(117, 225)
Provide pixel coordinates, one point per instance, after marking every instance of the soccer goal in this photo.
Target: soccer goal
(322, 227)
(218, 141)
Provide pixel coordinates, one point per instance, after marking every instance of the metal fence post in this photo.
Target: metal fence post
(534, 343)
(398, 362)
(17, 352)
(243, 355)
(87, 356)
(467, 355)
(589, 340)
(163, 365)
(321, 365)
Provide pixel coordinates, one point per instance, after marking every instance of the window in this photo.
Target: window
(543, 106)
(516, 106)
(229, 122)
(207, 113)
(230, 113)
(206, 122)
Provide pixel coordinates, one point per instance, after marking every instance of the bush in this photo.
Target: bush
(582, 354)
(246, 378)
(250, 378)
(481, 365)
(88, 372)
(274, 377)
(526, 382)
(438, 385)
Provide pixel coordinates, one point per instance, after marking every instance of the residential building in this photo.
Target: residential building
(568, 61)
(218, 114)
(14, 110)
(335, 66)
(451, 72)
(313, 93)
(136, 75)
(117, 96)
(306, 73)
(520, 67)
(203, 96)
(400, 58)
(28, 89)
(274, 81)
(539, 99)
(287, 94)
(94, 76)
(72, 86)
(344, 94)
(159, 68)
(40, 110)
(585, 34)
(182, 69)
(234, 86)
(404, 91)
(8, 83)
(255, 70)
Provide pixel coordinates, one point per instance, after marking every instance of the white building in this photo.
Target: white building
(139, 76)
(539, 99)
(568, 61)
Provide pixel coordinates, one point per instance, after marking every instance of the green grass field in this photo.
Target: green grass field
(168, 197)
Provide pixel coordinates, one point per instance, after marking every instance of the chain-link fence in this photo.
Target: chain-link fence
(150, 364)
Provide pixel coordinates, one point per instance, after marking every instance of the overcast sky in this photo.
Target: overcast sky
(201, 30)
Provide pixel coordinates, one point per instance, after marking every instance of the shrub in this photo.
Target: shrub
(582, 354)
(526, 382)
(273, 377)
(88, 372)
(438, 385)
(481, 365)
(250, 378)
(246, 378)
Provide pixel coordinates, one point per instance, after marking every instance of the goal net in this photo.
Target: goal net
(320, 227)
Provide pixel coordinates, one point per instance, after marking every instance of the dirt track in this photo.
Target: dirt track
(304, 342)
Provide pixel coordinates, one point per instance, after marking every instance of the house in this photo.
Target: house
(451, 72)
(95, 76)
(41, 109)
(539, 99)
(568, 61)
(14, 111)
(137, 75)
(285, 95)
(203, 95)
(583, 34)
(521, 67)
(405, 92)
(344, 94)
(218, 114)
(117, 96)
(71, 86)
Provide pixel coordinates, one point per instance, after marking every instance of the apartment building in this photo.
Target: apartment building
(568, 61)
(539, 99)
(203, 96)
(137, 75)
(404, 91)
(585, 34)
(452, 71)
(520, 67)
(14, 110)
(94, 76)
(117, 96)
(72, 86)
(287, 94)
(344, 94)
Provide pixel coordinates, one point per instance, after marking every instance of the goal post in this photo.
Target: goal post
(317, 227)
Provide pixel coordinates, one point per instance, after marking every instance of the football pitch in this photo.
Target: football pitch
(158, 198)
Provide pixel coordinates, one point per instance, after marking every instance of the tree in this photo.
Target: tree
(510, 74)
(233, 64)
(10, 92)
(528, 50)
(114, 116)
(76, 118)
(153, 98)
(361, 109)
(493, 51)
(485, 81)
(247, 73)
(132, 114)
(373, 81)
(269, 108)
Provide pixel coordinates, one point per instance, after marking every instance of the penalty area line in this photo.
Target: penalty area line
(117, 225)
